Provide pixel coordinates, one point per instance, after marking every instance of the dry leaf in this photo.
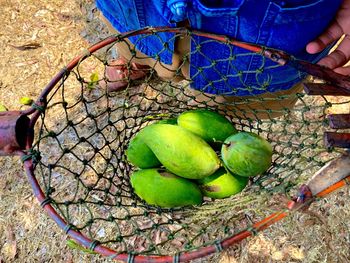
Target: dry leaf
(9, 249)
(33, 45)
(261, 246)
(3, 184)
(296, 253)
(64, 17)
(146, 224)
(69, 258)
(136, 243)
(309, 222)
(10, 235)
(277, 255)
(178, 243)
(26, 63)
(227, 259)
(50, 32)
(157, 237)
(41, 13)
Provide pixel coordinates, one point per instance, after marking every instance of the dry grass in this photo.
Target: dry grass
(26, 232)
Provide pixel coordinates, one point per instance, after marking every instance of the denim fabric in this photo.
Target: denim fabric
(126, 15)
(288, 25)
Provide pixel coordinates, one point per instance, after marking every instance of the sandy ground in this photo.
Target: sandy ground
(57, 30)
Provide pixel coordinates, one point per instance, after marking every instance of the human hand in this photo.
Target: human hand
(341, 55)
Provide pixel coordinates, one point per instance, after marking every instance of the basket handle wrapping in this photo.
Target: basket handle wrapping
(14, 132)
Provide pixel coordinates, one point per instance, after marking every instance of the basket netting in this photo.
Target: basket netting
(83, 133)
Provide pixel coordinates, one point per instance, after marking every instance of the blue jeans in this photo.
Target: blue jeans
(287, 25)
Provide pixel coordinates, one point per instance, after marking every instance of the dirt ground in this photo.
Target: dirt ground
(53, 32)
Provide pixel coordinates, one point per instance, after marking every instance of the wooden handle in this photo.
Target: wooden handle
(330, 174)
(325, 89)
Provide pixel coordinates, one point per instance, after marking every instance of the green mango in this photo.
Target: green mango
(222, 184)
(180, 151)
(140, 155)
(246, 154)
(162, 188)
(209, 125)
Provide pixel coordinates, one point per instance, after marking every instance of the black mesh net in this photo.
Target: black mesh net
(82, 135)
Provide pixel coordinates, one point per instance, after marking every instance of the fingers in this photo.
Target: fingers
(343, 70)
(332, 33)
(338, 57)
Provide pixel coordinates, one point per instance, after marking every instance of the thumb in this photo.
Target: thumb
(343, 70)
(314, 47)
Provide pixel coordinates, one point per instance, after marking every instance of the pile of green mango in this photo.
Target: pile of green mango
(179, 160)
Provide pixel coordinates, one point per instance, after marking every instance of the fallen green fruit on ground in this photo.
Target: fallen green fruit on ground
(180, 151)
(140, 155)
(2, 108)
(246, 154)
(222, 184)
(209, 125)
(162, 188)
(26, 101)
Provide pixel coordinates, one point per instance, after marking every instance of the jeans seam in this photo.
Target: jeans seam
(267, 23)
(140, 14)
(221, 11)
(234, 31)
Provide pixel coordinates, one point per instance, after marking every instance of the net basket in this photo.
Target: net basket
(85, 119)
